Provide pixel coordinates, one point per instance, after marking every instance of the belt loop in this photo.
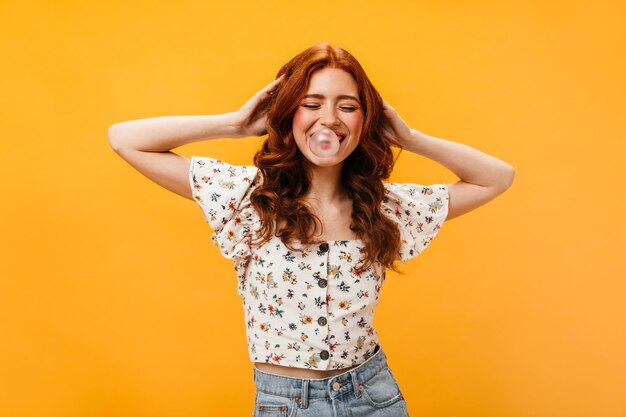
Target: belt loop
(304, 396)
(355, 384)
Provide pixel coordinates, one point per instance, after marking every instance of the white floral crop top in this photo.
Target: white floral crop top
(307, 310)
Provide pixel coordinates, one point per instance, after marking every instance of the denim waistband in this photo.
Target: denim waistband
(302, 389)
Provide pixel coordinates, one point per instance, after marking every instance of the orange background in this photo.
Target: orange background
(114, 302)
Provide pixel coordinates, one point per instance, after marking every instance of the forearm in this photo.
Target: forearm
(469, 164)
(161, 134)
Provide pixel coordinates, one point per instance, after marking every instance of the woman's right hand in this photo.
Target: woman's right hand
(251, 117)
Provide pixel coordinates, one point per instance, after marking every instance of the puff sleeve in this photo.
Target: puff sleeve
(419, 210)
(223, 193)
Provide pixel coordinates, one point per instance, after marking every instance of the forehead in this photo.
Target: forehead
(332, 82)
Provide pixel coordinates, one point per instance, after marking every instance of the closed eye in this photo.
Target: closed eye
(312, 106)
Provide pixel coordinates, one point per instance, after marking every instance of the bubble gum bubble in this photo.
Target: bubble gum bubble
(324, 143)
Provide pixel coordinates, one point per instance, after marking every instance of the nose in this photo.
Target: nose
(329, 118)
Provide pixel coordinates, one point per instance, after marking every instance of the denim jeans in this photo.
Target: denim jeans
(369, 389)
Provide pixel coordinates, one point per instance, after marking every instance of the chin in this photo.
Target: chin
(327, 162)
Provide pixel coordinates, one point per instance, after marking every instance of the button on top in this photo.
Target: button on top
(324, 355)
(336, 386)
(322, 283)
(324, 247)
(321, 321)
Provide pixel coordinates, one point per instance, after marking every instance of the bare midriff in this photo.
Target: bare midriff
(293, 372)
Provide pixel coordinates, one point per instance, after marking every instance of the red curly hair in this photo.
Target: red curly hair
(285, 176)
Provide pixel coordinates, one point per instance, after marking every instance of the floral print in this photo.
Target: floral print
(309, 310)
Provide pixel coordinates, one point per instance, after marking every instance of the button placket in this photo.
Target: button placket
(323, 283)
(323, 248)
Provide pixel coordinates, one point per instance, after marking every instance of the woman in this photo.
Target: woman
(311, 226)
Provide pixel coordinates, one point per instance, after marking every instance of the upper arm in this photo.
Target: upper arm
(168, 169)
(465, 197)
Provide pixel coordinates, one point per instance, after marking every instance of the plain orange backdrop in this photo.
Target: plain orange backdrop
(115, 303)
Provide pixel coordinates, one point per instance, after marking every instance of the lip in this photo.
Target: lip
(337, 132)
(340, 134)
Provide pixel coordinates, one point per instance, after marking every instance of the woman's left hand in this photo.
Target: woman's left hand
(401, 131)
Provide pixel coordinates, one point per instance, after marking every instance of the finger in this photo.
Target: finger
(274, 83)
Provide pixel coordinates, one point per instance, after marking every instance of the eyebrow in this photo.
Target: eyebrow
(341, 96)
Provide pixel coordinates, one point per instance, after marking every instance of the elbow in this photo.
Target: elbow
(114, 136)
(508, 176)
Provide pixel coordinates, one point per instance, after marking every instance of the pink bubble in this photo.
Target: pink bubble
(324, 143)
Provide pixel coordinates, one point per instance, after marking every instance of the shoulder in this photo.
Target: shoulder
(419, 210)
(214, 170)
(433, 196)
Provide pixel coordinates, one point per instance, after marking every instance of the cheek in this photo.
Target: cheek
(299, 119)
(298, 125)
(356, 123)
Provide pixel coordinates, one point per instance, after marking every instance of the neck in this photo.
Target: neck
(326, 185)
